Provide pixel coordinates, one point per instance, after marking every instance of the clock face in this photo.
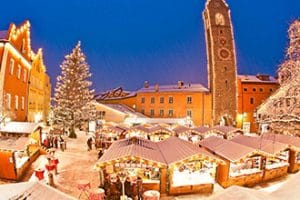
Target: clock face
(224, 54)
(219, 18)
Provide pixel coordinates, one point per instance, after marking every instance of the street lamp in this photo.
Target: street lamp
(122, 175)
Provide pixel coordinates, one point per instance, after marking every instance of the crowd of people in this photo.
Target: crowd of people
(54, 142)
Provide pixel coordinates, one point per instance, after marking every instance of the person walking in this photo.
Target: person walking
(89, 143)
(139, 188)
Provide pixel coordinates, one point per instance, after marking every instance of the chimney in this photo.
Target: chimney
(146, 84)
(180, 84)
(156, 87)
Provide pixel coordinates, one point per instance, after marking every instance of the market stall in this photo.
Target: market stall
(137, 157)
(137, 131)
(159, 133)
(275, 163)
(182, 132)
(294, 148)
(228, 132)
(190, 168)
(243, 164)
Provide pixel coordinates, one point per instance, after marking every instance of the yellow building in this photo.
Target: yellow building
(39, 90)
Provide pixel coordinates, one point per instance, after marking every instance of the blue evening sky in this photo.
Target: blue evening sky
(129, 41)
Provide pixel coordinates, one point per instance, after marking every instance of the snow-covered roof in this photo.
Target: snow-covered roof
(116, 93)
(174, 88)
(257, 79)
(13, 143)
(31, 191)
(124, 109)
(19, 127)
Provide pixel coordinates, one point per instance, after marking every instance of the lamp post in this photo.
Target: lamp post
(122, 175)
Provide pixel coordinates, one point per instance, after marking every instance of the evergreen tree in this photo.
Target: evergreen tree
(72, 98)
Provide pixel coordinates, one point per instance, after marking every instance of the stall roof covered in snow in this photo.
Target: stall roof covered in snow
(175, 149)
(225, 130)
(227, 149)
(13, 143)
(201, 129)
(181, 129)
(265, 145)
(174, 88)
(31, 191)
(20, 127)
(293, 141)
(166, 152)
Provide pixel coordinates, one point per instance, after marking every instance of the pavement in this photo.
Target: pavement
(76, 163)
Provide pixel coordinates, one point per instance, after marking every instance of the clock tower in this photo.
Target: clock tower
(221, 61)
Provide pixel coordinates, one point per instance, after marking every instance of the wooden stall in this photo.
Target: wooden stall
(159, 133)
(243, 165)
(276, 163)
(138, 157)
(227, 132)
(137, 131)
(190, 168)
(19, 147)
(294, 148)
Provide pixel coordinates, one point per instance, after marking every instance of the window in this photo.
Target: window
(254, 89)
(261, 89)
(189, 100)
(22, 103)
(251, 100)
(16, 102)
(161, 113)
(100, 114)
(151, 112)
(8, 101)
(170, 113)
(143, 100)
(19, 72)
(189, 113)
(152, 100)
(11, 66)
(245, 89)
(161, 100)
(171, 100)
(271, 90)
(226, 84)
(143, 111)
(225, 69)
(24, 75)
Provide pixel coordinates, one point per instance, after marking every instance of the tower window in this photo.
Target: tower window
(261, 89)
(245, 89)
(226, 84)
(254, 89)
(271, 90)
(251, 100)
(225, 69)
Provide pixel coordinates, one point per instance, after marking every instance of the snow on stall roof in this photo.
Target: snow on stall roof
(159, 128)
(226, 129)
(265, 145)
(13, 143)
(286, 139)
(31, 191)
(175, 149)
(254, 78)
(19, 127)
(181, 129)
(225, 148)
(201, 129)
(175, 88)
(165, 152)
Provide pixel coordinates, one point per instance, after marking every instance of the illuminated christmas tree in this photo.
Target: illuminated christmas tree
(72, 99)
(281, 112)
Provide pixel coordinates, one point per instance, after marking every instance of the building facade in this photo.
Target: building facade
(252, 92)
(175, 101)
(221, 61)
(39, 90)
(16, 61)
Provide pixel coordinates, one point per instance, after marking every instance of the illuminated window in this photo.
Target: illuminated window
(161, 113)
(8, 101)
(24, 75)
(19, 72)
(170, 113)
(16, 102)
(11, 66)
(152, 100)
(22, 103)
(161, 100)
(171, 100)
(189, 100)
